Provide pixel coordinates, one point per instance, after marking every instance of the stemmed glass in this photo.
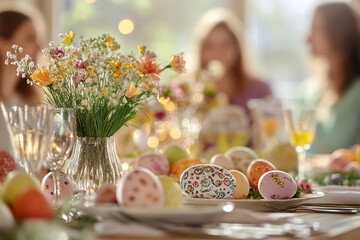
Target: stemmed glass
(62, 145)
(30, 128)
(300, 124)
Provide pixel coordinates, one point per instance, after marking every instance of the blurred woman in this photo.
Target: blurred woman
(218, 37)
(16, 28)
(335, 41)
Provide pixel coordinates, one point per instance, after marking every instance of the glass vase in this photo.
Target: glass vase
(94, 163)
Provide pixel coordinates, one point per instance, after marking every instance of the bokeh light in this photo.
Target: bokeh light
(153, 142)
(126, 26)
(90, 1)
(175, 133)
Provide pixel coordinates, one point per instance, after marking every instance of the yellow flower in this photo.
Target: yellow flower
(90, 69)
(127, 65)
(70, 63)
(132, 90)
(104, 91)
(109, 41)
(69, 37)
(41, 76)
(142, 49)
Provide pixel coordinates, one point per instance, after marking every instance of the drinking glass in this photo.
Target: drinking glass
(62, 145)
(30, 128)
(266, 115)
(300, 123)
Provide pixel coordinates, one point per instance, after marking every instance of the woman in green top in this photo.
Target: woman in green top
(335, 40)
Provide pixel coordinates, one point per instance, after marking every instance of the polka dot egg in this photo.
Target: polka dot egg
(140, 188)
(66, 187)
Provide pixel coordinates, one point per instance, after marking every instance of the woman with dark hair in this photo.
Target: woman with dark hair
(16, 28)
(335, 41)
(219, 37)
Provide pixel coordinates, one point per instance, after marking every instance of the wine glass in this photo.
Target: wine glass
(62, 145)
(30, 128)
(300, 123)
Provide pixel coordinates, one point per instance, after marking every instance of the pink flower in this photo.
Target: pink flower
(306, 186)
(79, 77)
(149, 55)
(177, 63)
(151, 67)
(172, 91)
(79, 64)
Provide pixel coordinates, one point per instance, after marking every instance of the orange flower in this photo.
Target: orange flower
(132, 90)
(41, 76)
(151, 67)
(109, 41)
(177, 63)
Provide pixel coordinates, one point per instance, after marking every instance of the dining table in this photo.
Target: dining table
(305, 221)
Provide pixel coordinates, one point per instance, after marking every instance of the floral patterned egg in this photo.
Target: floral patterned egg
(256, 169)
(155, 162)
(7, 164)
(277, 184)
(207, 181)
(66, 187)
(140, 188)
(241, 157)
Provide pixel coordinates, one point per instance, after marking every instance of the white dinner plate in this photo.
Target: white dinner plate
(184, 214)
(256, 204)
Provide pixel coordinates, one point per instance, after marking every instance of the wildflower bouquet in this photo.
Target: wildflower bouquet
(104, 86)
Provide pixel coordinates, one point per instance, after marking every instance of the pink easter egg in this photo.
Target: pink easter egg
(155, 162)
(277, 184)
(140, 188)
(106, 194)
(66, 187)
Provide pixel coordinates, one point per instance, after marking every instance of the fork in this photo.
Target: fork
(319, 209)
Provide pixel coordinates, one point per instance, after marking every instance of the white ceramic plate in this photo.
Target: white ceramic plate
(185, 214)
(256, 204)
(342, 195)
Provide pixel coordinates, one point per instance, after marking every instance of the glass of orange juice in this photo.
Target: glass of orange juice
(266, 116)
(300, 123)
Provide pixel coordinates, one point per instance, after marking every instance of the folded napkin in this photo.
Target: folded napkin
(338, 195)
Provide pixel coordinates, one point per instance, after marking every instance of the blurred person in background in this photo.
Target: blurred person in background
(335, 89)
(17, 27)
(219, 37)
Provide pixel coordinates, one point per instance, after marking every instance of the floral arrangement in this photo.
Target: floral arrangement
(104, 86)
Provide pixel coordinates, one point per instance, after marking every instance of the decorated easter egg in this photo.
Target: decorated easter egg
(241, 157)
(207, 181)
(66, 187)
(242, 184)
(338, 163)
(7, 164)
(352, 167)
(277, 184)
(173, 194)
(155, 162)
(106, 194)
(175, 152)
(256, 169)
(223, 161)
(180, 166)
(140, 188)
